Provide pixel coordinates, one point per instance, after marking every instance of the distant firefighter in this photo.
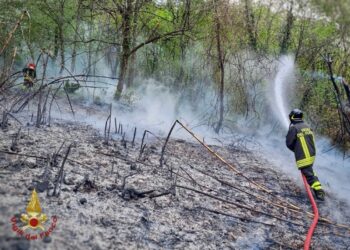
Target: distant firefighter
(29, 74)
(300, 139)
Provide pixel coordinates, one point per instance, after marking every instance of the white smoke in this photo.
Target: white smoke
(155, 107)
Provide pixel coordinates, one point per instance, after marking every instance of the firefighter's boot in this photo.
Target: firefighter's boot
(320, 194)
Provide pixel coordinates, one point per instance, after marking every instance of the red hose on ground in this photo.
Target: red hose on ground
(315, 220)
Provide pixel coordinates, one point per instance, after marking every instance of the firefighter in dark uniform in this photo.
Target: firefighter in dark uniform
(300, 140)
(29, 74)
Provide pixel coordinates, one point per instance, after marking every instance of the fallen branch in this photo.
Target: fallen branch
(239, 205)
(243, 219)
(212, 190)
(246, 192)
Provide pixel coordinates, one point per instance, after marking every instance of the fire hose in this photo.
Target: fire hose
(315, 220)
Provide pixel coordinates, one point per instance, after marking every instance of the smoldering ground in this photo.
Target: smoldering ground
(113, 196)
(184, 220)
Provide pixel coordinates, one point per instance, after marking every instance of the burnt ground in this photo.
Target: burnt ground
(113, 197)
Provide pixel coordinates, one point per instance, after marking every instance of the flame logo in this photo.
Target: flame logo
(34, 218)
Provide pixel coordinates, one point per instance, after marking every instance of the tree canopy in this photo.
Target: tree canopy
(225, 44)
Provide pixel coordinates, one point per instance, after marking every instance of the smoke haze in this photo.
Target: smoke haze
(155, 107)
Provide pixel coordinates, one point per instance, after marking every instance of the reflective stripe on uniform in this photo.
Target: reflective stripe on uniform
(28, 78)
(316, 185)
(304, 146)
(306, 162)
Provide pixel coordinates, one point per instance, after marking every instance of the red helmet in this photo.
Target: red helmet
(31, 66)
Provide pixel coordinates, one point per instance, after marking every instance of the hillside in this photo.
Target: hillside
(113, 196)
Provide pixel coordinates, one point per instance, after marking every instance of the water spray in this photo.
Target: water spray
(281, 85)
(280, 88)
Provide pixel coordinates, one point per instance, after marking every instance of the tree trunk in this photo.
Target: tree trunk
(61, 23)
(122, 71)
(61, 44)
(90, 44)
(287, 30)
(220, 58)
(183, 42)
(56, 43)
(76, 36)
(124, 56)
(250, 24)
(347, 90)
(300, 40)
(131, 73)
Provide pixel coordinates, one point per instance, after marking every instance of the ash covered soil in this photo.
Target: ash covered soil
(114, 197)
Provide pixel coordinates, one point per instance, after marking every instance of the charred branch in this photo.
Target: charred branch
(60, 176)
(14, 144)
(108, 126)
(133, 138)
(344, 119)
